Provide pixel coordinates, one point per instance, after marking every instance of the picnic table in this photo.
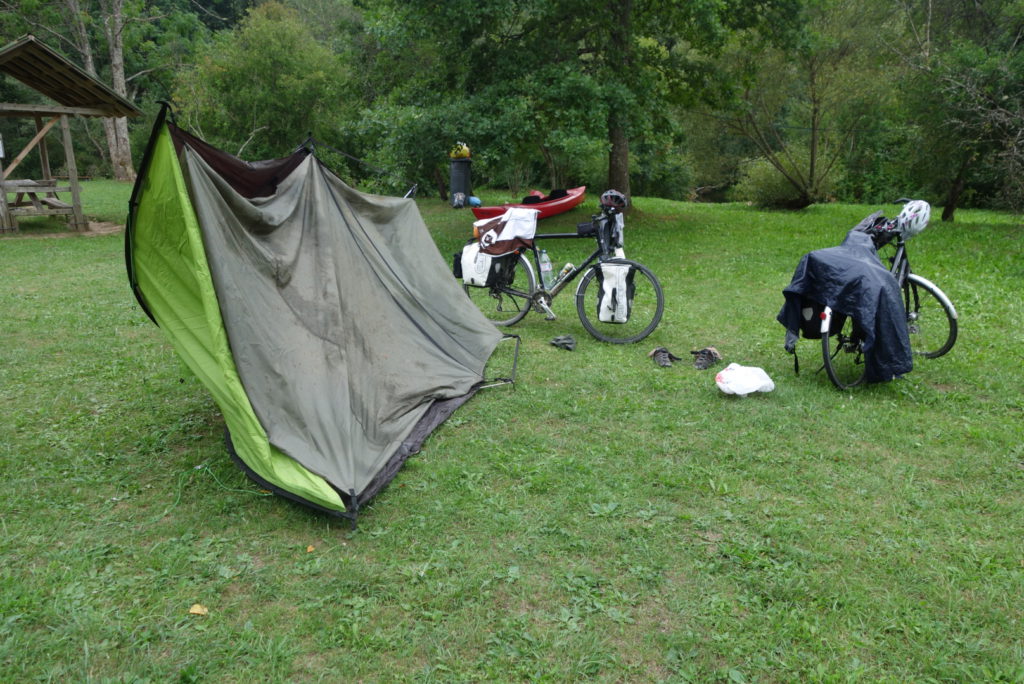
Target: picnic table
(31, 198)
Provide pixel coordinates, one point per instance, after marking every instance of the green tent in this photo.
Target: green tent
(323, 320)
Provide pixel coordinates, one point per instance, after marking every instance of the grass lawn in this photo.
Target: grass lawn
(605, 519)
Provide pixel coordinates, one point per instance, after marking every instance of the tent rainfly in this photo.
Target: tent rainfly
(324, 321)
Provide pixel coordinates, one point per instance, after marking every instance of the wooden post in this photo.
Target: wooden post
(44, 157)
(77, 218)
(7, 221)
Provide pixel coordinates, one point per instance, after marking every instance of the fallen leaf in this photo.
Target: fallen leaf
(310, 548)
(198, 609)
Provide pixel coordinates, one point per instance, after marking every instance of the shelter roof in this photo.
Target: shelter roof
(72, 88)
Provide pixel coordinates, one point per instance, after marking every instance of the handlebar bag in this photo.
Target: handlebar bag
(615, 289)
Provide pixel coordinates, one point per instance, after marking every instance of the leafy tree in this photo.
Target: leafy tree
(117, 41)
(262, 87)
(968, 96)
(801, 105)
(218, 15)
(601, 72)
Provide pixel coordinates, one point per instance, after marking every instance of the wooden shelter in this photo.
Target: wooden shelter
(75, 93)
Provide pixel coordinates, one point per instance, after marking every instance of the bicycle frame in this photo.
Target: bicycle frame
(899, 267)
(620, 304)
(560, 284)
(899, 264)
(604, 251)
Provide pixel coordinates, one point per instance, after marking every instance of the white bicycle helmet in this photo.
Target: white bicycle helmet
(914, 218)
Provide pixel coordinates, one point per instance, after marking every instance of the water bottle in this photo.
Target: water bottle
(564, 272)
(545, 268)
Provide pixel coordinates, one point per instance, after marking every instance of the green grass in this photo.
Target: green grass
(604, 520)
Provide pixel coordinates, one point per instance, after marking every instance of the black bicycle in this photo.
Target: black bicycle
(931, 316)
(618, 300)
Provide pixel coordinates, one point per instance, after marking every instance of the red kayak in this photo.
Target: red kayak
(547, 207)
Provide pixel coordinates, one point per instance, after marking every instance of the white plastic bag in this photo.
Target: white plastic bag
(742, 380)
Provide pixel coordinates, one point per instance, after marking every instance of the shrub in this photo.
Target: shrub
(765, 185)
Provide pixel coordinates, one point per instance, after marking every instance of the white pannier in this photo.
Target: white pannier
(615, 292)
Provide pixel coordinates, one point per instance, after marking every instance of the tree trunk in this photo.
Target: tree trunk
(618, 157)
(442, 189)
(554, 177)
(619, 60)
(117, 129)
(118, 147)
(956, 189)
(811, 189)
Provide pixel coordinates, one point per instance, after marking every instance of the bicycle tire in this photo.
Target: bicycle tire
(931, 318)
(841, 352)
(506, 303)
(648, 305)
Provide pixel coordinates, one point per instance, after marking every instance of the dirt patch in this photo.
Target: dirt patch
(101, 228)
(96, 228)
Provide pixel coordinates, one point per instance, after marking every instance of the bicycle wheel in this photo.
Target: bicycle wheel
(647, 304)
(506, 302)
(841, 351)
(931, 318)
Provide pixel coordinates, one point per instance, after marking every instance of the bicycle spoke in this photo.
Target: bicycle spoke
(646, 306)
(502, 303)
(844, 359)
(931, 320)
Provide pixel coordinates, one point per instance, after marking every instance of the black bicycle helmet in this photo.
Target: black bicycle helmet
(614, 198)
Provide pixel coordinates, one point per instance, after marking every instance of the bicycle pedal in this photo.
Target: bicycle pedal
(542, 307)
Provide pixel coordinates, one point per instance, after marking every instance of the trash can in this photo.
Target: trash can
(461, 185)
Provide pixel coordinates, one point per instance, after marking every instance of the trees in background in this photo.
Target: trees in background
(805, 104)
(799, 101)
(258, 89)
(504, 77)
(572, 83)
(966, 91)
(113, 40)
